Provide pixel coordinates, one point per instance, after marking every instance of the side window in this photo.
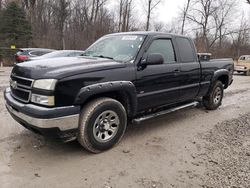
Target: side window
(43, 52)
(243, 58)
(33, 53)
(36, 53)
(165, 48)
(186, 50)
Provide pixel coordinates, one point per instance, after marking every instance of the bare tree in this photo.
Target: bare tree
(1, 4)
(241, 37)
(222, 18)
(184, 12)
(151, 5)
(61, 13)
(158, 26)
(76, 24)
(30, 6)
(125, 13)
(121, 3)
(172, 27)
(96, 8)
(201, 15)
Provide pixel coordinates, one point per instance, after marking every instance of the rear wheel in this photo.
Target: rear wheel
(213, 100)
(102, 124)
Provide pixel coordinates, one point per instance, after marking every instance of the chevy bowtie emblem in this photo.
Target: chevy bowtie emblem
(13, 84)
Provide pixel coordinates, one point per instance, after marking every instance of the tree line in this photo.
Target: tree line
(217, 26)
(65, 24)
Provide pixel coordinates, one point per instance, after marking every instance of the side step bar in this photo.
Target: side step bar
(160, 113)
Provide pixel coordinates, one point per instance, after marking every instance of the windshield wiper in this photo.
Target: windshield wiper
(86, 55)
(102, 56)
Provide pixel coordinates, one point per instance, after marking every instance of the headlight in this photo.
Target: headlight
(46, 84)
(43, 100)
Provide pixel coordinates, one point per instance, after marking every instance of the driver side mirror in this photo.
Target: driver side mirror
(153, 59)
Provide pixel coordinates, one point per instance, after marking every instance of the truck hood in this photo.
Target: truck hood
(58, 68)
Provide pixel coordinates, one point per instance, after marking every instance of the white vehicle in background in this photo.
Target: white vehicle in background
(243, 65)
(204, 56)
(59, 53)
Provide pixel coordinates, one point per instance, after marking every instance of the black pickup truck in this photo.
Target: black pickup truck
(121, 77)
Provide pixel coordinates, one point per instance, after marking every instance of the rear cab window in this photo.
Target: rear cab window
(186, 50)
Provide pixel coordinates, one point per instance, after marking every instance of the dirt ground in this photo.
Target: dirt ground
(189, 148)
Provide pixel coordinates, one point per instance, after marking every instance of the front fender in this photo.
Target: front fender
(115, 86)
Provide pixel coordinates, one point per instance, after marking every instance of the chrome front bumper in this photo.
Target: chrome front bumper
(62, 118)
(63, 123)
(240, 69)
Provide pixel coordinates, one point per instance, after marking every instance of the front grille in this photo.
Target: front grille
(21, 88)
(26, 83)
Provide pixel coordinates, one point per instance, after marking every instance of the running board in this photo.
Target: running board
(160, 113)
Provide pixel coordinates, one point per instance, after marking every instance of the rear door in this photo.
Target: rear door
(190, 71)
(159, 84)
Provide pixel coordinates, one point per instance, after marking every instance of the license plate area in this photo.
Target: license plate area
(240, 68)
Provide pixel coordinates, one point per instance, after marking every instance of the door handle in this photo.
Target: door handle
(177, 70)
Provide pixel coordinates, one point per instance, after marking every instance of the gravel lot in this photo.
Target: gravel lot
(189, 148)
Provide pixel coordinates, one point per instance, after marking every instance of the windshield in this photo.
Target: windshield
(245, 58)
(121, 48)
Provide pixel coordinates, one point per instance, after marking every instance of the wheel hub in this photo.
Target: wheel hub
(106, 126)
(217, 95)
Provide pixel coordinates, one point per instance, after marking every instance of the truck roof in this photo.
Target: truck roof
(151, 33)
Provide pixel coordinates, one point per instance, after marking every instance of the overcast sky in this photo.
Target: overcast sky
(169, 9)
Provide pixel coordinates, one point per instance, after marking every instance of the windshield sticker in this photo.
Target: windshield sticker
(129, 38)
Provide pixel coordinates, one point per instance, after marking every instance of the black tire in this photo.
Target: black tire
(215, 95)
(96, 124)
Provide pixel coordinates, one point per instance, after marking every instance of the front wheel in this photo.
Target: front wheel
(214, 98)
(102, 124)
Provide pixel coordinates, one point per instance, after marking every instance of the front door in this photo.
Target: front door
(158, 84)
